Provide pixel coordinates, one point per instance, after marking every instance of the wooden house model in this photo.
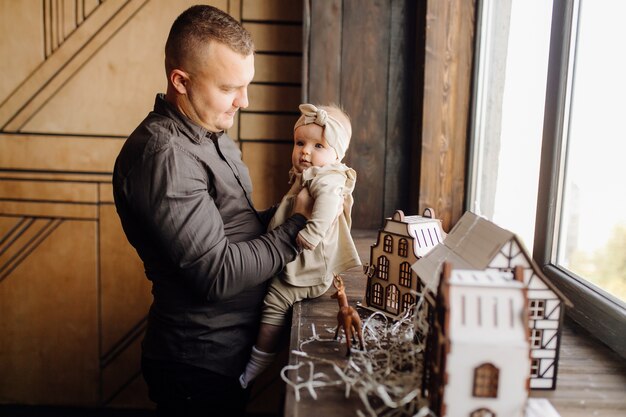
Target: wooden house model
(392, 285)
(478, 244)
(477, 358)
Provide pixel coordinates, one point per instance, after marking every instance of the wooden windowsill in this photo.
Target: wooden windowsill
(591, 377)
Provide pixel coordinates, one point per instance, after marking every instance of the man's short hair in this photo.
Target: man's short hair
(199, 25)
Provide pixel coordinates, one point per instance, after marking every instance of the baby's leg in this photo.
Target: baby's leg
(269, 335)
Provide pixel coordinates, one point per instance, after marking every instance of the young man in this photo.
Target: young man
(183, 195)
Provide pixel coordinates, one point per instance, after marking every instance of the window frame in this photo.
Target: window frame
(603, 315)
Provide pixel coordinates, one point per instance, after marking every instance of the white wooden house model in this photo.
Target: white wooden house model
(478, 244)
(391, 283)
(478, 351)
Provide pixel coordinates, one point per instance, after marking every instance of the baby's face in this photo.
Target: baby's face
(310, 148)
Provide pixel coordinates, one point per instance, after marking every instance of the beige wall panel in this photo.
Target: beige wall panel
(269, 165)
(277, 38)
(287, 10)
(48, 331)
(58, 153)
(134, 395)
(51, 191)
(125, 291)
(267, 126)
(276, 68)
(55, 176)
(22, 236)
(123, 369)
(273, 98)
(68, 58)
(129, 72)
(105, 192)
(89, 6)
(21, 48)
(75, 211)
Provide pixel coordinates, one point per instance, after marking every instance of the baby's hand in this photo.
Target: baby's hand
(302, 243)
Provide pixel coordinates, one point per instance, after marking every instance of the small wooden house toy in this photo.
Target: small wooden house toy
(391, 283)
(478, 354)
(478, 244)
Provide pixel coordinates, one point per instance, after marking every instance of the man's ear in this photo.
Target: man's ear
(179, 79)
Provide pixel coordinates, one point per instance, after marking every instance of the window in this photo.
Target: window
(407, 302)
(483, 412)
(537, 309)
(535, 338)
(392, 299)
(383, 268)
(405, 274)
(403, 248)
(534, 368)
(546, 149)
(486, 381)
(377, 295)
(388, 244)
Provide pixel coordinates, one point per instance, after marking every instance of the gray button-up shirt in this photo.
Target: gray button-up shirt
(183, 195)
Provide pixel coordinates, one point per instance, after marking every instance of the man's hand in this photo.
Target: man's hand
(304, 203)
(303, 244)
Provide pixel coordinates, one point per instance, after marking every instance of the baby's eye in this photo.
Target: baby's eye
(299, 143)
(319, 146)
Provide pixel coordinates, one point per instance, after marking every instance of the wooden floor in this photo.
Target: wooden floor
(591, 377)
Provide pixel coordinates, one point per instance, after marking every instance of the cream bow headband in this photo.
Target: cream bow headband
(334, 132)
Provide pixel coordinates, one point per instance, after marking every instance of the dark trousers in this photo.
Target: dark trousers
(187, 391)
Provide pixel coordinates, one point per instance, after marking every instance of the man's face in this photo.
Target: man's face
(217, 86)
(310, 148)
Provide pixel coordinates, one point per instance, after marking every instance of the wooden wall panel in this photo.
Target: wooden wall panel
(273, 37)
(324, 60)
(275, 10)
(273, 162)
(21, 40)
(447, 82)
(360, 55)
(267, 126)
(49, 326)
(124, 289)
(275, 93)
(278, 69)
(272, 98)
(365, 60)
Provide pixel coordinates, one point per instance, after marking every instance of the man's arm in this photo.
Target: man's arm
(185, 222)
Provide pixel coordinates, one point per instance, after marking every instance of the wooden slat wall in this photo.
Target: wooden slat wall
(265, 127)
(360, 54)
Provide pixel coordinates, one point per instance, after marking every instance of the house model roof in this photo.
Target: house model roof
(426, 231)
(472, 244)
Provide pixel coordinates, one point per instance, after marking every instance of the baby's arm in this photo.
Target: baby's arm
(327, 190)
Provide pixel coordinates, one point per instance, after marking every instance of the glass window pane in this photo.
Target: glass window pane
(510, 98)
(592, 238)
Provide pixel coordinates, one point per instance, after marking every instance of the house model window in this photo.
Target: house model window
(486, 381)
(383, 268)
(535, 338)
(483, 412)
(405, 274)
(537, 309)
(377, 295)
(392, 299)
(403, 248)
(388, 245)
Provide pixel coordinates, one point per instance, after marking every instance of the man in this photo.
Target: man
(183, 195)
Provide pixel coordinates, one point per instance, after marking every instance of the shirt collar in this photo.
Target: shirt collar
(195, 132)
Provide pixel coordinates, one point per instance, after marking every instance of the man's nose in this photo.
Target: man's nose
(241, 101)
